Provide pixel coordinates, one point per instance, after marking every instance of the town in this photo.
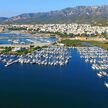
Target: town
(76, 29)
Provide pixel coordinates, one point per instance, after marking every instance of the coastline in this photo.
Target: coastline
(25, 45)
(77, 42)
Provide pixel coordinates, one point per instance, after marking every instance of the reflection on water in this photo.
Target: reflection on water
(86, 44)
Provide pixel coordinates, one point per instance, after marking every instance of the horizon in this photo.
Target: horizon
(13, 8)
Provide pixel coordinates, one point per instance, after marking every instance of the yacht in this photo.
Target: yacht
(106, 84)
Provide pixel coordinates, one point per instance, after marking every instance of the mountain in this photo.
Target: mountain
(3, 19)
(79, 14)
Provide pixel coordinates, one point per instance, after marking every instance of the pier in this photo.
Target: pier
(10, 63)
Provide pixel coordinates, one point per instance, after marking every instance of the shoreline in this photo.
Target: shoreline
(25, 45)
(74, 42)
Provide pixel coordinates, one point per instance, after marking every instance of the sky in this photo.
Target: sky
(10, 8)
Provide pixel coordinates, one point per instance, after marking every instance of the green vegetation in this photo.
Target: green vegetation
(26, 51)
(22, 51)
(68, 42)
(58, 34)
(6, 50)
(77, 43)
(100, 44)
(17, 28)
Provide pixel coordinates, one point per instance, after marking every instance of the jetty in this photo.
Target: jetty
(10, 63)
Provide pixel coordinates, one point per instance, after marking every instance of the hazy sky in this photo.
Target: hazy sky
(15, 7)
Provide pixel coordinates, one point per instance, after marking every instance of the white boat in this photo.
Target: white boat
(9, 40)
(106, 84)
(99, 75)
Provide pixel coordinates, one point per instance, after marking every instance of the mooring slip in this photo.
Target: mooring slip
(52, 55)
(98, 58)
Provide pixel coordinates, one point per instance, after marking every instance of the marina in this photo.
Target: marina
(98, 58)
(76, 79)
(9, 38)
(60, 55)
(73, 72)
(52, 55)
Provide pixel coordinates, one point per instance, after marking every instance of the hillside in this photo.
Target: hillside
(79, 14)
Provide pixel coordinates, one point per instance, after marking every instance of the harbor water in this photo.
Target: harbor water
(73, 85)
(9, 38)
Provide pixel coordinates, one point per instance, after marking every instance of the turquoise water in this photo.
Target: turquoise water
(74, 85)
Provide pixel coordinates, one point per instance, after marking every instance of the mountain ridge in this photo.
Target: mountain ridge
(78, 14)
